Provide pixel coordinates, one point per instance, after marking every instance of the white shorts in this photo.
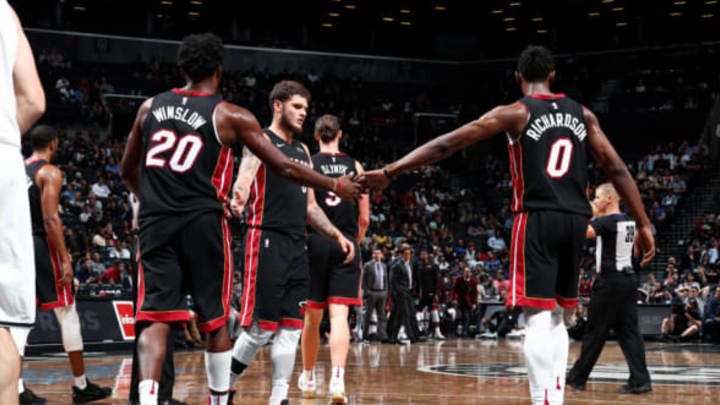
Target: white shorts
(17, 260)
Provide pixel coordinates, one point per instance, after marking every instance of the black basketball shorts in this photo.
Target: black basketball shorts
(331, 280)
(47, 272)
(196, 260)
(276, 280)
(545, 253)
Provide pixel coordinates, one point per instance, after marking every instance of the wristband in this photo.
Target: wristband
(338, 186)
(387, 174)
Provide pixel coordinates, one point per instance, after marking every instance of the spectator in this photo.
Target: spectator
(100, 189)
(96, 265)
(119, 252)
(464, 296)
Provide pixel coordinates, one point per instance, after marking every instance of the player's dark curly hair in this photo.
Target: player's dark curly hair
(200, 55)
(41, 136)
(285, 89)
(536, 63)
(327, 127)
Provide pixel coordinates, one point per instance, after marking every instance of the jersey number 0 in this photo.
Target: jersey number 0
(183, 157)
(558, 162)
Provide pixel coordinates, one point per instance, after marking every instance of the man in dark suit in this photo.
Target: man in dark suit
(403, 310)
(464, 297)
(375, 292)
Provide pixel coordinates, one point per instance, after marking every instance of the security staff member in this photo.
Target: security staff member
(612, 303)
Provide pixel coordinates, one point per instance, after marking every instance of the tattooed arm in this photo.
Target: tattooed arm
(320, 222)
(246, 175)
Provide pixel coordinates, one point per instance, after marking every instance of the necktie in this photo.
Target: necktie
(378, 277)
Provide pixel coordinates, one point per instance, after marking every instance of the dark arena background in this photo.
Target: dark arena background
(398, 74)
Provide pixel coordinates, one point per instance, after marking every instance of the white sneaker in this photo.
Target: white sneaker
(516, 334)
(337, 392)
(438, 334)
(307, 386)
(489, 335)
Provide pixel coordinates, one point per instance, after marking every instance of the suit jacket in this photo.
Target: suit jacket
(399, 281)
(465, 292)
(369, 276)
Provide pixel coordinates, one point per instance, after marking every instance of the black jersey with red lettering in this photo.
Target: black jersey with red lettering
(275, 202)
(340, 212)
(548, 160)
(185, 169)
(36, 215)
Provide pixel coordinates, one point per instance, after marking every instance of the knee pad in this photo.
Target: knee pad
(249, 342)
(19, 336)
(69, 322)
(283, 352)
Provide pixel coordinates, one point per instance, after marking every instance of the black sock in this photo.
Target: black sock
(237, 367)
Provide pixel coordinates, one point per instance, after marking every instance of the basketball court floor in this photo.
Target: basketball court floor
(468, 372)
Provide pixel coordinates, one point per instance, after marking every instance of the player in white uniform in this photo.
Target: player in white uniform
(22, 103)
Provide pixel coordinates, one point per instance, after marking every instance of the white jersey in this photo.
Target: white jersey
(9, 131)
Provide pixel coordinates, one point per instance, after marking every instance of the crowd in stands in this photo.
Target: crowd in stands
(464, 226)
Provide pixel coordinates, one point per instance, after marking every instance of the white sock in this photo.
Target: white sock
(218, 399)
(538, 358)
(282, 356)
(21, 386)
(80, 382)
(148, 391)
(309, 374)
(217, 368)
(561, 342)
(338, 373)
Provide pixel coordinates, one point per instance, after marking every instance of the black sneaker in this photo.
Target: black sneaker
(29, 398)
(638, 389)
(171, 402)
(231, 396)
(92, 392)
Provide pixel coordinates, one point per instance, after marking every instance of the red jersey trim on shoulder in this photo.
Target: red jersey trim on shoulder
(547, 96)
(526, 107)
(192, 93)
(332, 153)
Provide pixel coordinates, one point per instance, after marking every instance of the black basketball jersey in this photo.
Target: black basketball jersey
(275, 202)
(340, 212)
(615, 235)
(36, 214)
(185, 168)
(548, 161)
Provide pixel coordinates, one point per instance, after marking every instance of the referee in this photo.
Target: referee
(612, 303)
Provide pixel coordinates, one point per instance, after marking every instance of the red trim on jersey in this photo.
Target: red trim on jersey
(332, 153)
(192, 93)
(516, 172)
(257, 198)
(64, 293)
(316, 304)
(227, 282)
(524, 105)
(291, 323)
(268, 325)
(154, 316)
(351, 302)
(518, 278)
(222, 175)
(567, 302)
(547, 96)
(252, 250)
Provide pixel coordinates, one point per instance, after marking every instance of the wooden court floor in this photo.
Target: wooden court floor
(470, 372)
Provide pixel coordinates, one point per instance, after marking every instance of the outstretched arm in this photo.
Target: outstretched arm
(29, 94)
(618, 173)
(511, 118)
(363, 207)
(130, 164)
(236, 124)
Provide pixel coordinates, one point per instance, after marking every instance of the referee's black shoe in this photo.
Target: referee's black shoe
(578, 387)
(639, 389)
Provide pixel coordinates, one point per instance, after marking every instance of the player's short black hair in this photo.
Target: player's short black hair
(200, 55)
(536, 63)
(285, 89)
(41, 136)
(327, 127)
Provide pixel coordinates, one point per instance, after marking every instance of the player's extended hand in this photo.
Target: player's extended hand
(347, 247)
(349, 188)
(645, 243)
(374, 179)
(235, 205)
(67, 272)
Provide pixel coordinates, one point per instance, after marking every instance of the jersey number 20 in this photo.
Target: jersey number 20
(183, 157)
(558, 162)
